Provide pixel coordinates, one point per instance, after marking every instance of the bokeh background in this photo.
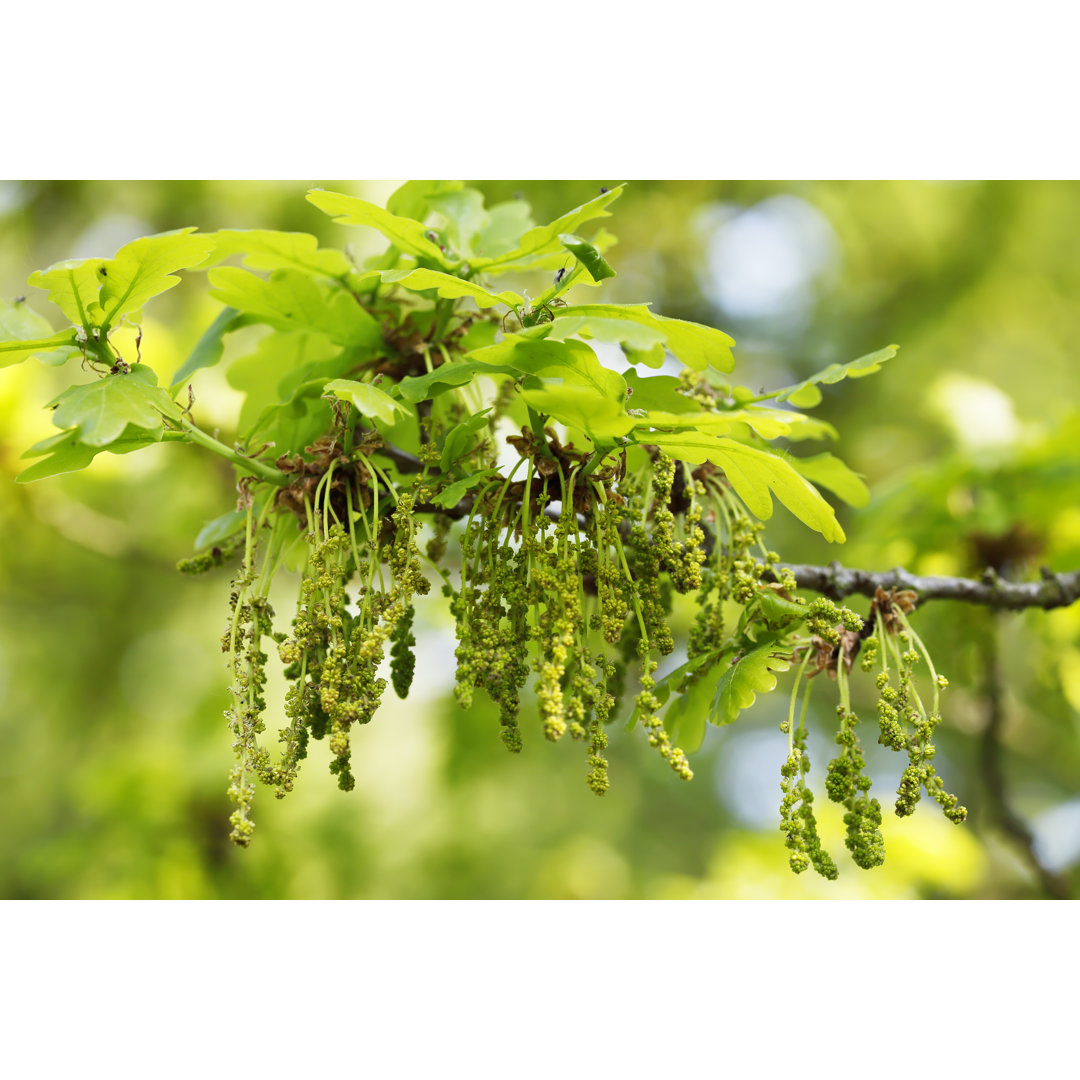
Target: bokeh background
(114, 753)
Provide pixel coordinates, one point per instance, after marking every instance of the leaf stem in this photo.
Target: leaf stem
(250, 465)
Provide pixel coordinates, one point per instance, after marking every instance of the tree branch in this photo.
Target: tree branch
(1000, 806)
(836, 582)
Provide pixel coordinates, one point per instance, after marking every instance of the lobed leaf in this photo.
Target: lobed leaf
(748, 676)
(446, 377)
(403, 232)
(463, 210)
(806, 394)
(145, 268)
(292, 300)
(73, 287)
(368, 399)
(66, 453)
(507, 223)
(269, 249)
(449, 287)
(411, 199)
(544, 239)
(754, 474)
(101, 410)
(696, 346)
(261, 375)
(24, 333)
(830, 472)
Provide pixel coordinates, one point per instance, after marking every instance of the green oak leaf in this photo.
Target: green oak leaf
(368, 399)
(403, 232)
(507, 223)
(687, 716)
(101, 410)
(653, 356)
(221, 528)
(586, 395)
(751, 674)
(779, 612)
(210, 347)
(582, 407)
(415, 388)
(145, 268)
(696, 346)
(449, 287)
(463, 210)
(830, 472)
(261, 374)
(73, 287)
(542, 241)
(411, 199)
(660, 392)
(572, 361)
(24, 333)
(453, 494)
(806, 393)
(589, 257)
(458, 440)
(268, 249)
(754, 474)
(292, 300)
(636, 336)
(64, 453)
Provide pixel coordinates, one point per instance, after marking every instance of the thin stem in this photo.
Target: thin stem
(249, 465)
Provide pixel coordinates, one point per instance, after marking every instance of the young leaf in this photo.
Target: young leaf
(221, 528)
(829, 472)
(754, 474)
(748, 676)
(587, 255)
(415, 388)
(101, 410)
(292, 300)
(402, 232)
(686, 718)
(146, 267)
(24, 333)
(73, 287)
(452, 495)
(572, 361)
(588, 396)
(411, 199)
(459, 438)
(544, 240)
(268, 249)
(465, 216)
(695, 345)
(632, 335)
(806, 394)
(67, 454)
(449, 287)
(368, 399)
(507, 223)
(209, 348)
(779, 612)
(261, 374)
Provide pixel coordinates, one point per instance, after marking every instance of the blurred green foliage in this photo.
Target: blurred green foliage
(116, 754)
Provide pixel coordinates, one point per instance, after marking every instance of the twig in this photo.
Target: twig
(836, 582)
